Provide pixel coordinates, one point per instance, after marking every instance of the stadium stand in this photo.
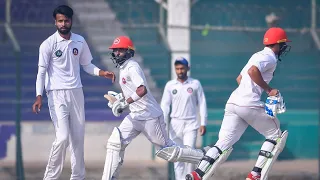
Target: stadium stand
(250, 13)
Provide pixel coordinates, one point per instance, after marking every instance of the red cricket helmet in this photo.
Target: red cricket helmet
(275, 35)
(122, 42)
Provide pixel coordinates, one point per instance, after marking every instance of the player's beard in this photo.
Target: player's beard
(64, 31)
(182, 76)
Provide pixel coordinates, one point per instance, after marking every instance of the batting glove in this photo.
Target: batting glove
(275, 105)
(119, 106)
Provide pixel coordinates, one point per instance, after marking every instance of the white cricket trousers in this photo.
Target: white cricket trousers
(183, 132)
(236, 120)
(153, 129)
(68, 117)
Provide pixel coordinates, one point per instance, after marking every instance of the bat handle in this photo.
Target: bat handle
(120, 110)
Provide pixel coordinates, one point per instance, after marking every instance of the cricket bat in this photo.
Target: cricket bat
(110, 98)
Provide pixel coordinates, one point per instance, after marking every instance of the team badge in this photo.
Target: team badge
(58, 53)
(75, 51)
(174, 91)
(116, 41)
(124, 80)
(190, 90)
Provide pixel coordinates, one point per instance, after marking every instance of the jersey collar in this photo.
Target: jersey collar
(185, 82)
(59, 38)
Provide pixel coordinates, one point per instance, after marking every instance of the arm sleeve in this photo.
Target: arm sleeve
(40, 80)
(44, 55)
(165, 103)
(202, 105)
(44, 58)
(136, 76)
(91, 69)
(86, 56)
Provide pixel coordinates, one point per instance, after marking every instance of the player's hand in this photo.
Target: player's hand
(202, 130)
(109, 75)
(273, 92)
(37, 105)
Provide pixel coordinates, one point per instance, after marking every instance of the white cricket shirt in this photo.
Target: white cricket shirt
(130, 78)
(62, 59)
(184, 98)
(248, 92)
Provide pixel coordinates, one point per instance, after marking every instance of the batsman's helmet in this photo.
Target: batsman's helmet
(275, 35)
(122, 42)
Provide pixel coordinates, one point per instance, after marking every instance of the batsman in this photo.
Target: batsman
(145, 115)
(244, 108)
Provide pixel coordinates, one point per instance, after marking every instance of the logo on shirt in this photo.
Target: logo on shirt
(174, 91)
(58, 53)
(124, 80)
(75, 51)
(190, 90)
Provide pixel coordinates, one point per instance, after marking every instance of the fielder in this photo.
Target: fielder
(245, 108)
(60, 57)
(145, 115)
(185, 95)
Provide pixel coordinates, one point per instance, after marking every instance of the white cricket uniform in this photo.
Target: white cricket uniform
(145, 115)
(245, 107)
(59, 65)
(185, 99)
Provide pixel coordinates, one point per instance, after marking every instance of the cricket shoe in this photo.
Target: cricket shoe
(193, 176)
(253, 177)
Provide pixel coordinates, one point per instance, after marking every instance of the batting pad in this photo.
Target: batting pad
(113, 158)
(281, 142)
(176, 153)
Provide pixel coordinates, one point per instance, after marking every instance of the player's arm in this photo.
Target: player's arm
(136, 75)
(140, 92)
(239, 79)
(256, 77)
(166, 103)
(203, 109)
(255, 74)
(44, 58)
(88, 67)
